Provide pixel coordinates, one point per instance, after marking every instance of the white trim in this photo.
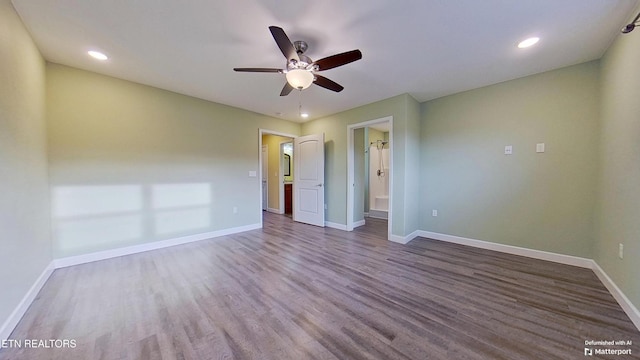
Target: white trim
(358, 223)
(108, 254)
(264, 182)
(17, 314)
(351, 176)
(335, 225)
(405, 239)
(620, 297)
(378, 214)
(510, 249)
(275, 211)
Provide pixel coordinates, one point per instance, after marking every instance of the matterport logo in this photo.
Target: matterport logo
(613, 347)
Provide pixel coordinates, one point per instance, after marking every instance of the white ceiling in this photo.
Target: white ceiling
(427, 48)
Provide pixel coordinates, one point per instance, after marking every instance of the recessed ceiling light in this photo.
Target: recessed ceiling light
(304, 115)
(97, 55)
(528, 42)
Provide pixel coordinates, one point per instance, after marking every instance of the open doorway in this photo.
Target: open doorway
(307, 175)
(276, 162)
(370, 172)
(286, 186)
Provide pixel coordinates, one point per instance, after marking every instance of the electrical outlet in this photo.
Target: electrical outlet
(621, 251)
(434, 212)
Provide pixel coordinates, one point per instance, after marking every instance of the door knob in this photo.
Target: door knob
(319, 185)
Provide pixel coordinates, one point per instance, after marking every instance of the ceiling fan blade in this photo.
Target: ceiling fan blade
(338, 60)
(284, 43)
(286, 89)
(327, 84)
(263, 70)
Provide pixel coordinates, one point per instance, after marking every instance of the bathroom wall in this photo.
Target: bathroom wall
(378, 178)
(373, 135)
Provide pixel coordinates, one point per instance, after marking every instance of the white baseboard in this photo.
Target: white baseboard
(275, 211)
(509, 249)
(335, 225)
(620, 297)
(378, 214)
(358, 223)
(23, 306)
(405, 239)
(108, 254)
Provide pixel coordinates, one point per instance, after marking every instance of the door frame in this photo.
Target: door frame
(264, 183)
(281, 178)
(261, 132)
(351, 170)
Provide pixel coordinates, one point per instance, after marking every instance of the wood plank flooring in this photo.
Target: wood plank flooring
(292, 291)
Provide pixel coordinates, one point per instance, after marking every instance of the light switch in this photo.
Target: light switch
(252, 174)
(540, 147)
(508, 150)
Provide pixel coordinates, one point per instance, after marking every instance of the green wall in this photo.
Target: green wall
(542, 201)
(405, 112)
(25, 244)
(132, 164)
(619, 185)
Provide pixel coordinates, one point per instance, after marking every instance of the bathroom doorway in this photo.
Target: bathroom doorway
(370, 172)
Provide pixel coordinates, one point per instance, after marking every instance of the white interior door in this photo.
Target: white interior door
(308, 179)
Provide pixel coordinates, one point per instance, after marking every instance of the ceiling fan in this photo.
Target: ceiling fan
(300, 70)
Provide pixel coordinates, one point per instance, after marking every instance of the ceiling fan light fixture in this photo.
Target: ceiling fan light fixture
(299, 79)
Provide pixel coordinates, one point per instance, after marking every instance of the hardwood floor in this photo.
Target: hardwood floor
(292, 291)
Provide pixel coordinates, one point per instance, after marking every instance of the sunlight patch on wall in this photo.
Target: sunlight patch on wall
(179, 208)
(91, 218)
(168, 196)
(177, 221)
(91, 232)
(69, 201)
(94, 216)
